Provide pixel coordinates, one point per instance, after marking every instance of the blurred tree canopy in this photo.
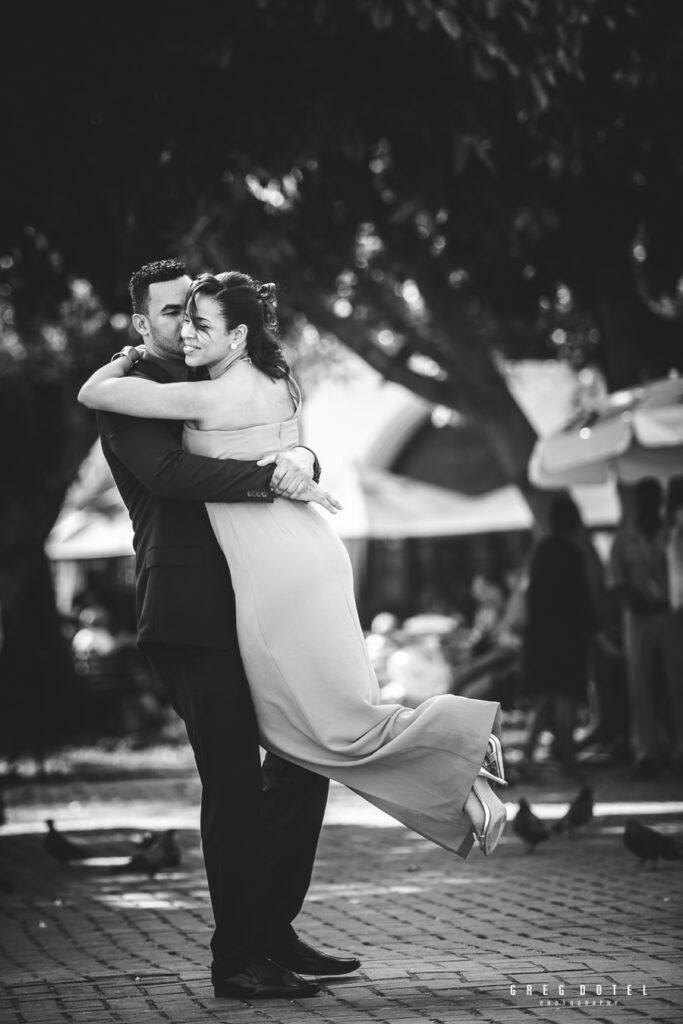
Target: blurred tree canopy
(441, 184)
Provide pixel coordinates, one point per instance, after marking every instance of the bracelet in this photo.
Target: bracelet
(316, 465)
(129, 352)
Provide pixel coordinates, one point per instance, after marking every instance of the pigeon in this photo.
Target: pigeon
(62, 848)
(162, 852)
(529, 827)
(649, 844)
(171, 849)
(580, 812)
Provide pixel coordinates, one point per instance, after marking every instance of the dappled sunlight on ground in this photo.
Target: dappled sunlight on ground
(159, 900)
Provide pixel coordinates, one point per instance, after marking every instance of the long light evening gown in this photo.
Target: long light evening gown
(314, 690)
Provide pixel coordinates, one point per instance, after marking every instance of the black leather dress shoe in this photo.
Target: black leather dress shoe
(295, 955)
(264, 980)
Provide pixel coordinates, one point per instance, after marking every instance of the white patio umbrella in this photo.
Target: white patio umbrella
(90, 533)
(379, 504)
(633, 434)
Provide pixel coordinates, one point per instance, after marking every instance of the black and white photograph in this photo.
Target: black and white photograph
(341, 512)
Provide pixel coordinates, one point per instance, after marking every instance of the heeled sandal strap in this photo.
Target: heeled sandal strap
(491, 778)
(493, 759)
(492, 829)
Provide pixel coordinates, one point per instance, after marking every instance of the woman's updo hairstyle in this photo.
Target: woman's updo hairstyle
(243, 300)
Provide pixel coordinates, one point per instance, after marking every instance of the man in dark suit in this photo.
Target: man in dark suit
(259, 826)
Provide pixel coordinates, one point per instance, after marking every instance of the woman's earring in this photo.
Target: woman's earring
(233, 344)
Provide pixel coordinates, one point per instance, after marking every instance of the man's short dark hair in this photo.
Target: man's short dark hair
(151, 273)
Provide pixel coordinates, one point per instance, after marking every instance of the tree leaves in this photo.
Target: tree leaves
(450, 24)
(545, 135)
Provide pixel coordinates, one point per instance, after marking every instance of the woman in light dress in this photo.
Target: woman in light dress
(315, 693)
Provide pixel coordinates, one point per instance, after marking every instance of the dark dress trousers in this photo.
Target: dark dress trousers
(259, 826)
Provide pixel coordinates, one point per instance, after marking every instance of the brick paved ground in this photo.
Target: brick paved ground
(441, 940)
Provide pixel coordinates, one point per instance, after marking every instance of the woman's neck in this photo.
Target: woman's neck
(223, 365)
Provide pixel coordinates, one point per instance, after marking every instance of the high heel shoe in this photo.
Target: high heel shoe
(492, 767)
(495, 817)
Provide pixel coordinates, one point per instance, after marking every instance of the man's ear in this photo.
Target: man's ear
(141, 324)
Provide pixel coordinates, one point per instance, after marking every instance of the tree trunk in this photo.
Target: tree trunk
(637, 345)
(480, 393)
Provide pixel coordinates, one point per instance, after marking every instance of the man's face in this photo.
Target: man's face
(160, 326)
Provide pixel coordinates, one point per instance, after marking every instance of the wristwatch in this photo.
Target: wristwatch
(129, 352)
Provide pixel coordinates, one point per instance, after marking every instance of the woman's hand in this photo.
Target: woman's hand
(293, 478)
(314, 492)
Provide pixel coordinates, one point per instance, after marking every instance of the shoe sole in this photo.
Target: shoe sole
(221, 993)
(493, 835)
(324, 974)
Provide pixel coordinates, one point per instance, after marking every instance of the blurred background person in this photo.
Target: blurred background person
(382, 640)
(674, 641)
(639, 578)
(491, 665)
(117, 695)
(561, 620)
(490, 596)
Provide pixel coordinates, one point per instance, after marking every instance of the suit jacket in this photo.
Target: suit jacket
(184, 593)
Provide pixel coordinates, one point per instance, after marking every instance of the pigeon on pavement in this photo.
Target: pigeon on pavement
(171, 849)
(61, 847)
(649, 844)
(580, 812)
(529, 827)
(163, 852)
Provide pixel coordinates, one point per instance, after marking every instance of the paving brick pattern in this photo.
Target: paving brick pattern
(441, 940)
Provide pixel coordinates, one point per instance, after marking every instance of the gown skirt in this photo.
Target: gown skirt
(315, 693)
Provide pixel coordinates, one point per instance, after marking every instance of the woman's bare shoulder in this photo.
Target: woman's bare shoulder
(245, 397)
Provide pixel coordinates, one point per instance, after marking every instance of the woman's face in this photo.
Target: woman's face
(209, 342)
